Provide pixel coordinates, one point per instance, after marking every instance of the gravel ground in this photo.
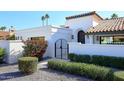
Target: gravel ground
(11, 73)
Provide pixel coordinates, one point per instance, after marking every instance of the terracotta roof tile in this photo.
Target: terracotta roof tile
(4, 33)
(82, 15)
(116, 24)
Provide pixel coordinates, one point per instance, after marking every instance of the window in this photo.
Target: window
(72, 37)
(38, 38)
(112, 39)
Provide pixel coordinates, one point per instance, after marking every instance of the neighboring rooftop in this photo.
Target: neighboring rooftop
(4, 33)
(110, 25)
(83, 15)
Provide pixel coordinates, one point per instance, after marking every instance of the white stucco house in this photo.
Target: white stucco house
(87, 28)
(53, 35)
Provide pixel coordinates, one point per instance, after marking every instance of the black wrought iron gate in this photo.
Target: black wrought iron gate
(61, 49)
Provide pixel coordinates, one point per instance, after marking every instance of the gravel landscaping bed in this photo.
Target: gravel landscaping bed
(12, 73)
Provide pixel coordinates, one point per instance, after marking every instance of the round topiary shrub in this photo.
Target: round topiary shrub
(28, 65)
(119, 76)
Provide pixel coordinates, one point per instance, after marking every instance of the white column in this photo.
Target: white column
(91, 39)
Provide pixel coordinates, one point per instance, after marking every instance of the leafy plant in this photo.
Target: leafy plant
(89, 70)
(3, 28)
(11, 37)
(114, 16)
(35, 48)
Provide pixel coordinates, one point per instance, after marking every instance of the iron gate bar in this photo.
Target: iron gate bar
(61, 49)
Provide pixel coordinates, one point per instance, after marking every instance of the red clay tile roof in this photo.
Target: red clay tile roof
(4, 33)
(116, 24)
(82, 15)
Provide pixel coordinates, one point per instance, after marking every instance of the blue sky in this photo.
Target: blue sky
(22, 20)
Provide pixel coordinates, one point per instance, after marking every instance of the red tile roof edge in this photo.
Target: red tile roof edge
(84, 14)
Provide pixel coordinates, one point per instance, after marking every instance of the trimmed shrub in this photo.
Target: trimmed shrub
(83, 58)
(72, 56)
(109, 61)
(83, 69)
(79, 58)
(119, 75)
(28, 65)
(116, 62)
(2, 53)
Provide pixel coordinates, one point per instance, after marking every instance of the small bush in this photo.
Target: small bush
(2, 53)
(83, 69)
(28, 65)
(79, 58)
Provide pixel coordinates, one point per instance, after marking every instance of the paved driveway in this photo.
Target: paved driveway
(11, 72)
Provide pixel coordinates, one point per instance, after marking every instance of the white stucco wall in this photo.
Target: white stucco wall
(82, 22)
(95, 23)
(60, 34)
(96, 49)
(34, 32)
(13, 50)
(51, 34)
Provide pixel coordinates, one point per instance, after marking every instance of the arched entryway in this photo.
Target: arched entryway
(61, 49)
(81, 37)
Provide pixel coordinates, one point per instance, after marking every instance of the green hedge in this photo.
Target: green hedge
(119, 75)
(83, 69)
(72, 56)
(116, 62)
(79, 58)
(2, 53)
(28, 65)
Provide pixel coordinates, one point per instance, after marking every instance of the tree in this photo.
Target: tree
(43, 18)
(114, 16)
(47, 17)
(2, 28)
(106, 18)
(11, 37)
(11, 26)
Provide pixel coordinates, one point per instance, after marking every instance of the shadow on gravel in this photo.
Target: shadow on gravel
(5, 65)
(11, 75)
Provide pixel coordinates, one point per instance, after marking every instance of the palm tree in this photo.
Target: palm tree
(114, 16)
(11, 28)
(43, 18)
(47, 17)
(2, 28)
(106, 18)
